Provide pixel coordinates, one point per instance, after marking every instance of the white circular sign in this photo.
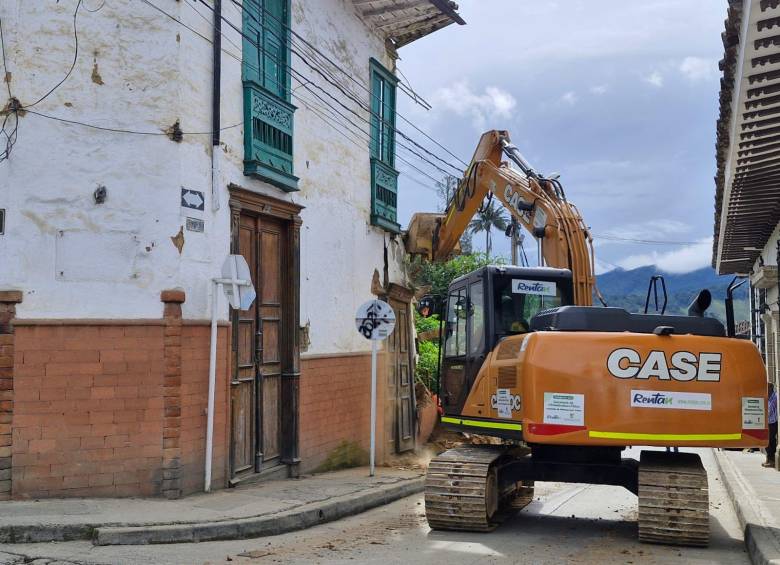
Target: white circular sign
(375, 320)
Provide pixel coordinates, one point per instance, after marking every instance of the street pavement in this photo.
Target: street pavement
(565, 524)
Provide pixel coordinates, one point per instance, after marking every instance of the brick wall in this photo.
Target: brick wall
(194, 402)
(89, 410)
(334, 405)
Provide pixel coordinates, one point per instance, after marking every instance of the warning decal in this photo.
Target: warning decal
(564, 409)
(753, 414)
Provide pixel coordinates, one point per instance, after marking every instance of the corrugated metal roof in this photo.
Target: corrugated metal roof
(747, 196)
(404, 21)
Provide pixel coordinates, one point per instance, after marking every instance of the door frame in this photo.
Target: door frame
(404, 296)
(245, 201)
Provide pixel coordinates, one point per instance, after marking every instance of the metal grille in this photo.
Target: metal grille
(507, 377)
(509, 350)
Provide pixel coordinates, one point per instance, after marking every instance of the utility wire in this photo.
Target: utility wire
(643, 241)
(119, 130)
(12, 108)
(72, 65)
(352, 78)
(294, 74)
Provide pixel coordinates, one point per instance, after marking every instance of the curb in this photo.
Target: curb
(259, 526)
(239, 528)
(761, 539)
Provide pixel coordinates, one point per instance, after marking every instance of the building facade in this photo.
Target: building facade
(747, 198)
(146, 141)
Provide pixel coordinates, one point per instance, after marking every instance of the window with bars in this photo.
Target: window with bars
(268, 114)
(384, 177)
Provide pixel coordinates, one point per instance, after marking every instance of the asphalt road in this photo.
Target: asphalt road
(565, 524)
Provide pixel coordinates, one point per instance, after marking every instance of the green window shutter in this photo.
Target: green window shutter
(268, 114)
(384, 177)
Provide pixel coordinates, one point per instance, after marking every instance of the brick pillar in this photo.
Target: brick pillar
(171, 484)
(8, 301)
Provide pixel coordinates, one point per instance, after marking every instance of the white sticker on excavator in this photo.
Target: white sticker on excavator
(753, 414)
(564, 409)
(504, 402)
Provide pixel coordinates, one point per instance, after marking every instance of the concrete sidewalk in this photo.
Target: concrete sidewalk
(267, 508)
(755, 493)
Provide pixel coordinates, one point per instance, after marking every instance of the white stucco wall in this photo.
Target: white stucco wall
(140, 71)
(769, 257)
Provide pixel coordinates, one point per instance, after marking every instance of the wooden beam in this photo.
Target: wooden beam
(395, 8)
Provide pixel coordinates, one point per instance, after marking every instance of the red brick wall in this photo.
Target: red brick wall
(335, 397)
(194, 402)
(89, 409)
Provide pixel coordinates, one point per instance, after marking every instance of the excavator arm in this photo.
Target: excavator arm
(539, 205)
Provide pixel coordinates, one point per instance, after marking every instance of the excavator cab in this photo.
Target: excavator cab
(485, 306)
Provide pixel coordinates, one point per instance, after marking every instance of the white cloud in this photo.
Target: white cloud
(653, 230)
(599, 89)
(682, 260)
(569, 98)
(655, 78)
(459, 98)
(698, 68)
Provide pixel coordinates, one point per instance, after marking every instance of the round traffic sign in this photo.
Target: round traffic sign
(375, 320)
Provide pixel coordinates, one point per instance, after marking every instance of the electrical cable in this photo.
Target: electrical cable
(293, 72)
(643, 241)
(335, 65)
(119, 130)
(73, 64)
(12, 107)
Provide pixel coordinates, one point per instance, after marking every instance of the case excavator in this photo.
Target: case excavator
(568, 386)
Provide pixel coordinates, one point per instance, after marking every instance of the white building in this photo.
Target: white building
(747, 199)
(118, 193)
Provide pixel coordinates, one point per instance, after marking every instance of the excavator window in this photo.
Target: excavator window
(514, 309)
(457, 311)
(477, 318)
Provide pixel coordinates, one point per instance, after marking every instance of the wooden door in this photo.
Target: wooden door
(255, 387)
(400, 349)
(269, 300)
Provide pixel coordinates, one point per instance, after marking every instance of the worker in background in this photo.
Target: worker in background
(772, 447)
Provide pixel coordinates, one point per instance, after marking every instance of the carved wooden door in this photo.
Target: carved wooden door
(401, 367)
(255, 387)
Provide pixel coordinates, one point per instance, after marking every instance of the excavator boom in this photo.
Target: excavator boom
(539, 205)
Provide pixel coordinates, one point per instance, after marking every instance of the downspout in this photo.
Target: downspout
(215, 104)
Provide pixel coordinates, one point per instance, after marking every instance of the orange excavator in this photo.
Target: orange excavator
(568, 386)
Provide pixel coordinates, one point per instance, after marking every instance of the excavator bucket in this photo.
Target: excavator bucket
(419, 236)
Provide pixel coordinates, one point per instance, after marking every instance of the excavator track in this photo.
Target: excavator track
(673, 499)
(462, 492)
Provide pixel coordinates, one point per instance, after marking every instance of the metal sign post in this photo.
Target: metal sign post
(375, 320)
(236, 283)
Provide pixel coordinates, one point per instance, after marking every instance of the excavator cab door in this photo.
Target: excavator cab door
(464, 340)
(484, 307)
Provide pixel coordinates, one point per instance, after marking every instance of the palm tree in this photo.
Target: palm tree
(489, 217)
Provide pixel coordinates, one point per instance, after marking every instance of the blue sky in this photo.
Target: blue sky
(619, 97)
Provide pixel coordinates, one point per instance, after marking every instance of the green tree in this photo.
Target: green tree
(489, 217)
(438, 276)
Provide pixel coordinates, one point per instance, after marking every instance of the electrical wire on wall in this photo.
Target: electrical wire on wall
(9, 129)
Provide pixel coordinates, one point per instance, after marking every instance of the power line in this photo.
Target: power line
(352, 78)
(293, 72)
(119, 130)
(72, 65)
(644, 241)
(11, 135)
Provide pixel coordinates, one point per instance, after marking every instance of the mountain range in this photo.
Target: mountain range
(628, 289)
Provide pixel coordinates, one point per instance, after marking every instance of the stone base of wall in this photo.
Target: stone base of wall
(335, 392)
(90, 404)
